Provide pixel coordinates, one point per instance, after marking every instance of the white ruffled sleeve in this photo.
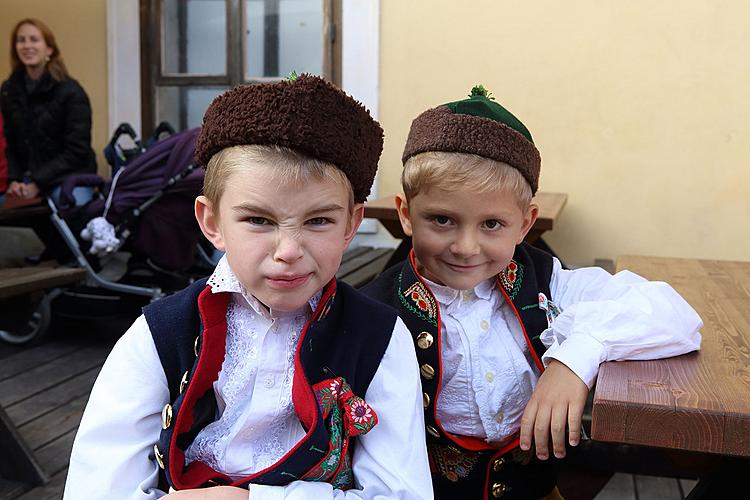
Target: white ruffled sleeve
(113, 450)
(615, 318)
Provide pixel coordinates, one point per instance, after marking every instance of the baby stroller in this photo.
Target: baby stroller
(139, 237)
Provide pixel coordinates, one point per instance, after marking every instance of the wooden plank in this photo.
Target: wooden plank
(53, 424)
(620, 487)
(699, 401)
(34, 357)
(54, 456)
(50, 374)
(53, 490)
(365, 274)
(12, 489)
(21, 280)
(360, 260)
(46, 401)
(17, 461)
(657, 488)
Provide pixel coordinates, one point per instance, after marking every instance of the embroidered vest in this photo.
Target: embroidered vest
(338, 353)
(525, 286)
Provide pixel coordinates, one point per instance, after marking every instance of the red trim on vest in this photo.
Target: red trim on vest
(502, 451)
(523, 328)
(303, 397)
(213, 311)
(469, 443)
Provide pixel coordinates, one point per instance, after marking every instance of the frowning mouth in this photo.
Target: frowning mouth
(288, 281)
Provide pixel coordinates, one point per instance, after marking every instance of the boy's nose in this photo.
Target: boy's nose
(288, 248)
(465, 244)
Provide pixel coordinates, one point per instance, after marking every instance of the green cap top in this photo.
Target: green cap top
(481, 103)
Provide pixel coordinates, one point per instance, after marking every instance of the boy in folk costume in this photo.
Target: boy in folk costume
(270, 376)
(508, 342)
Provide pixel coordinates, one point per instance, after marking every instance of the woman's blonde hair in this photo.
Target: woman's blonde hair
(289, 165)
(450, 171)
(55, 66)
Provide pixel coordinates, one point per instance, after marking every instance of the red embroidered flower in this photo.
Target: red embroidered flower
(422, 304)
(511, 276)
(361, 412)
(414, 295)
(512, 266)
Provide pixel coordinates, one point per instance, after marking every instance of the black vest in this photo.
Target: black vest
(489, 472)
(345, 338)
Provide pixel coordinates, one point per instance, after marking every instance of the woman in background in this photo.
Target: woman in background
(47, 117)
(47, 127)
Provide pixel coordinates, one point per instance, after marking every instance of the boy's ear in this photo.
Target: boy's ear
(209, 222)
(358, 213)
(402, 207)
(528, 221)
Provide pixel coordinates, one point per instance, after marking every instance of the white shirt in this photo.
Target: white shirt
(112, 454)
(488, 372)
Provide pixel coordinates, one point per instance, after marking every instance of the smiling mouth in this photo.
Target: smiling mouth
(462, 267)
(288, 282)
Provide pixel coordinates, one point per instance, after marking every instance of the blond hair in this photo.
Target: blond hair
(451, 171)
(289, 165)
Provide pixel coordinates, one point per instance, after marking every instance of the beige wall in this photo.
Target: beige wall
(80, 27)
(640, 110)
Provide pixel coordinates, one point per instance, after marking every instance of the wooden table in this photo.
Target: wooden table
(697, 402)
(550, 207)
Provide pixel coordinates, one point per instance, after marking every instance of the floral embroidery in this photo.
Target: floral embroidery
(550, 308)
(452, 463)
(418, 299)
(511, 278)
(346, 415)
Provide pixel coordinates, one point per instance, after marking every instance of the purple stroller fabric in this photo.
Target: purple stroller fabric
(167, 231)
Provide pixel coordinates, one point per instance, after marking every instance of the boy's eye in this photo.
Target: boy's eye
(258, 221)
(319, 221)
(441, 220)
(492, 224)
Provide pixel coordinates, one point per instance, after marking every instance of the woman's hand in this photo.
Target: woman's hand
(23, 190)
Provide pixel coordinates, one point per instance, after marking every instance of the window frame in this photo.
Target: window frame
(152, 55)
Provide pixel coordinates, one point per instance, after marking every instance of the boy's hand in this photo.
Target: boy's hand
(215, 493)
(559, 399)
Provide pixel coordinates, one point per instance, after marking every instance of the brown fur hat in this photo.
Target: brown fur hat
(307, 114)
(479, 126)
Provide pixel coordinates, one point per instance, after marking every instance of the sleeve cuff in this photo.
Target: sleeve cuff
(581, 353)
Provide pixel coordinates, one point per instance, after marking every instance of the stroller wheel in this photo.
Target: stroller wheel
(31, 318)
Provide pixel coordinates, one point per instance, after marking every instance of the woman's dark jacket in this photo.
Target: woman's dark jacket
(48, 129)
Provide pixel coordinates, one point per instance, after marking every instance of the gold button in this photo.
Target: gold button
(195, 346)
(498, 490)
(498, 464)
(499, 417)
(159, 456)
(489, 377)
(427, 371)
(183, 382)
(424, 340)
(166, 416)
(425, 399)
(484, 324)
(433, 431)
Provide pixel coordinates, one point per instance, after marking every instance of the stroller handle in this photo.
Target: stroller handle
(123, 129)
